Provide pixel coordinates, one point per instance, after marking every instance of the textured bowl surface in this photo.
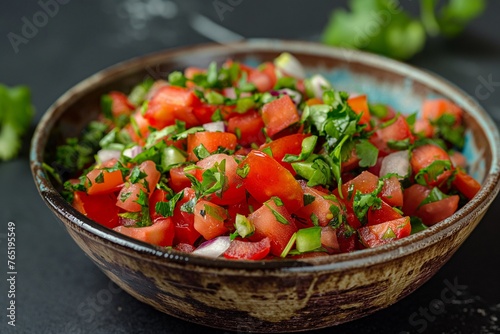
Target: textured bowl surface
(273, 296)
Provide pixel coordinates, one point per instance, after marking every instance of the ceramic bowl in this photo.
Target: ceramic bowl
(276, 295)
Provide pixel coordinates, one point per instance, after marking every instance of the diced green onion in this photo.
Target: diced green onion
(243, 226)
(289, 245)
(308, 239)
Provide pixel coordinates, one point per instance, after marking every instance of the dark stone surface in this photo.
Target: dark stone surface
(59, 290)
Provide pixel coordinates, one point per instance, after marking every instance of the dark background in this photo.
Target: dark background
(59, 290)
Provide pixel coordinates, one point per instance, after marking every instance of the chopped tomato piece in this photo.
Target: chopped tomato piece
(432, 110)
(435, 212)
(248, 128)
(392, 192)
(267, 224)
(100, 208)
(329, 239)
(178, 179)
(466, 184)
(211, 141)
(319, 210)
(233, 192)
(130, 193)
(377, 235)
(161, 233)
(101, 181)
(209, 219)
(171, 103)
(424, 156)
(247, 250)
(280, 147)
(184, 221)
(393, 133)
(120, 105)
(279, 114)
(266, 178)
(383, 214)
(423, 128)
(359, 105)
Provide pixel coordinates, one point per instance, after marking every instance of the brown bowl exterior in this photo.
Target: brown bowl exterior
(264, 296)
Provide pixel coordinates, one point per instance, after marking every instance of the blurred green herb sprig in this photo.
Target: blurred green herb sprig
(384, 27)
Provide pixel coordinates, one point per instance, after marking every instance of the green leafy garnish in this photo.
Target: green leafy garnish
(363, 202)
(16, 113)
(432, 172)
(368, 153)
(384, 27)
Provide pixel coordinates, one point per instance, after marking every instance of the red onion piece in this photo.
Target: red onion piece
(294, 95)
(397, 163)
(214, 126)
(105, 155)
(132, 151)
(213, 248)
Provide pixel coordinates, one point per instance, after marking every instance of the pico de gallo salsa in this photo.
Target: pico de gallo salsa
(263, 162)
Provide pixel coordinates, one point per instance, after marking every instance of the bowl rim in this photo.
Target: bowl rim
(338, 262)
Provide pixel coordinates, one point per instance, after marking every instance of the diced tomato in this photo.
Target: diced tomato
(161, 233)
(279, 114)
(280, 147)
(234, 192)
(329, 239)
(458, 160)
(466, 184)
(184, 221)
(392, 192)
(100, 208)
(191, 72)
(313, 101)
(347, 238)
(359, 105)
(140, 131)
(204, 112)
(424, 156)
(209, 219)
(351, 163)
(107, 182)
(129, 194)
(432, 110)
(267, 178)
(423, 127)
(178, 179)
(434, 212)
(211, 141)
(249, 127)
(320, 207)
(377, 235)
(264, 77)
(158, 195)
(366, 183)
(120, 105)
(413, 197)
(267, 225)
(247, 250)
(383, 214)
(397, 131)
(171, 103)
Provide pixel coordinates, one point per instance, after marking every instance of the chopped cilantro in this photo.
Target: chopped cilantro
(308, 199)
(367, 152)
(432, 172)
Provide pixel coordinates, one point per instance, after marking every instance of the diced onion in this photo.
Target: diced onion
(290, 65)
(213, 248)
(105, 155)
(132, 151)
(319, 84)
(396, 163)
(214, 126)
(294, 95)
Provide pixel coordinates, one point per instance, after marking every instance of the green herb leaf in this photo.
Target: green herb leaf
(367, 152)
(432, 172)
